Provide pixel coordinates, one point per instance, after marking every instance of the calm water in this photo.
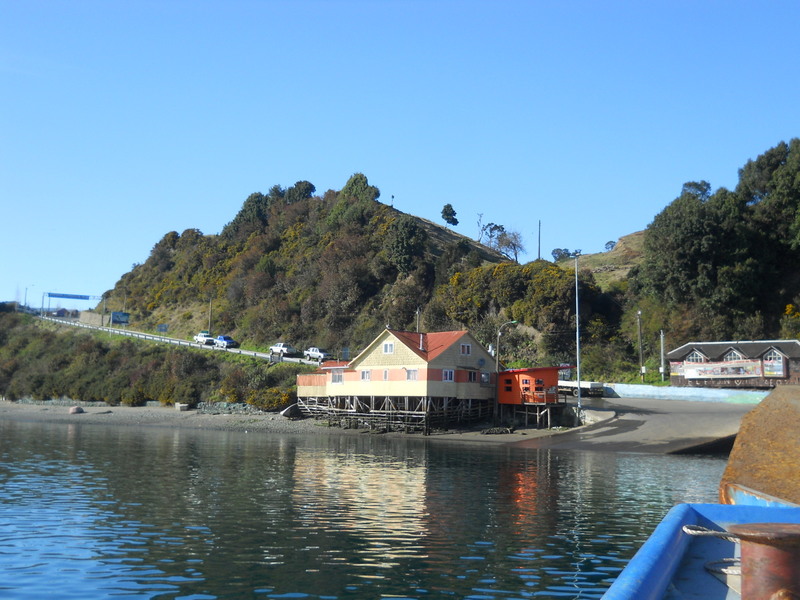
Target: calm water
(111, 512)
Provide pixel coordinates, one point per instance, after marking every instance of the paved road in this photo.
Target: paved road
(648, 425)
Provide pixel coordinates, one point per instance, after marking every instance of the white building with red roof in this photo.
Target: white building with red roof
(406, 377)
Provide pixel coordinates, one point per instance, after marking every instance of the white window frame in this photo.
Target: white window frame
(732, 355)
(412, 375)
(773, 355)
(466, 349)
(337, 376)
(473, 376)
(448, 375)
(366, 375)
(695, 357)
(386, 374)
(388, 347)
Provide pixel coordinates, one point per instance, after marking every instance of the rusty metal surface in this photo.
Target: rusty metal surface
(766, 454)
(770, 558)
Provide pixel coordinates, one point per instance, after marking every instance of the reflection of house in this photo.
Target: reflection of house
(754, 364)
(405, 379)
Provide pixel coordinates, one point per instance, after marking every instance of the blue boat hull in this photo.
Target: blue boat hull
(672, 563)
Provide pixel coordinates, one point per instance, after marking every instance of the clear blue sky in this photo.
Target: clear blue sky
(122, 121)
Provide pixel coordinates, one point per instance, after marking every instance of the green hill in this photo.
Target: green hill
(613, 266)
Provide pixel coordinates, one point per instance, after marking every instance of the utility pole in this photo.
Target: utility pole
(577, 336)
(641, 354)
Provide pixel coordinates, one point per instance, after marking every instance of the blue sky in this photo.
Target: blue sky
(122, 121)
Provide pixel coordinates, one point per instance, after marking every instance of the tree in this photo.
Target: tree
(560, 254)
(610, 245)
(252, 216)
(492, 231)
(449, 215)
(509, 243)
(358, 188)
(302, 190)
(405, 241)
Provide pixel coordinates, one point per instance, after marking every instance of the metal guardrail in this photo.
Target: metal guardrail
(178, 342)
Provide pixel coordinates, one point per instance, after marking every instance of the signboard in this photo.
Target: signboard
(120, 318)
(737, 369)
(774, 368)
(69, 296)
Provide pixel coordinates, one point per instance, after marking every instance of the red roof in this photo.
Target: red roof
(428, 345)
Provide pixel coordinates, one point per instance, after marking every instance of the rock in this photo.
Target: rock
(76, 410)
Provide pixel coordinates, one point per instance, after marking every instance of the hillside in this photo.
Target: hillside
(329, 271)
(613, 266)
(333, 270)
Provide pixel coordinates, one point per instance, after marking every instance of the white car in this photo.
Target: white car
(315, 353)
(282, 348)
(204, 338)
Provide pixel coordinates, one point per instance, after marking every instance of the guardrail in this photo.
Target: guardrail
(178, 342)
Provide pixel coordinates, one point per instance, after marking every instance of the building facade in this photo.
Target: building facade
(761, 364)
(405, 379)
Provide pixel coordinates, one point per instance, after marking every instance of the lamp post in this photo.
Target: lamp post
(641, 355)
(497, 369)
(577, 336)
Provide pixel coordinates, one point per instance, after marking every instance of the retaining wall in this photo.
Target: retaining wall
(627, 390)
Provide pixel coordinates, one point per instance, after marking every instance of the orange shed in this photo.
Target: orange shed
(537, 385)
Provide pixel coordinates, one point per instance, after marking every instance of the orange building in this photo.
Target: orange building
(537, 385)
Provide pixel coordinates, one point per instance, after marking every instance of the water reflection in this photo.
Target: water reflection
(98, 512)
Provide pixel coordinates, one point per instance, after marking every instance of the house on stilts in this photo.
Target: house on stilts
(405, 381)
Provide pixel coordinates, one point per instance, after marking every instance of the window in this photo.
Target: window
(411, 375)
(448, 375)
(366, 375)
(386, 374)
(526, 382)
(337, 376)
(733, 355)
(695, 357)
(473, 376)
(486, 378)
(466, 349)
(774, 364)
(388, 347)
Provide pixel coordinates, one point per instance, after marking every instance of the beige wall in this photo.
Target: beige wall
(388, 373)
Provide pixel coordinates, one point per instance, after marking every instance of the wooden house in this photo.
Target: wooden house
(760, 364)
(405, 380)
(527, 392)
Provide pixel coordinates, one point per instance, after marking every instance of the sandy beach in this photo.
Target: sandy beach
(264, 423)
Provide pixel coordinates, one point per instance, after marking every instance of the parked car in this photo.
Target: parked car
(225, 341)
(282, 349)
(315, 353)
(204, 338)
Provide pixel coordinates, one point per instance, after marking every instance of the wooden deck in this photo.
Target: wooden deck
(395, 413)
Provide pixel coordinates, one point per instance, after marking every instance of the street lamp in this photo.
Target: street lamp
(497, 368)
(577, 336)
(641, 356)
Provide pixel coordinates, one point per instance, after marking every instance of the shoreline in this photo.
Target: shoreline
(264, 423)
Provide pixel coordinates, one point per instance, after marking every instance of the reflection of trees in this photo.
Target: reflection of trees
(226, 514)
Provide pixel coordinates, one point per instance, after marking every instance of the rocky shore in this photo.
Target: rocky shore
(225, 418)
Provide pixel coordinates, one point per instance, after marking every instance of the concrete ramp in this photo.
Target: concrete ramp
(653, 426)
